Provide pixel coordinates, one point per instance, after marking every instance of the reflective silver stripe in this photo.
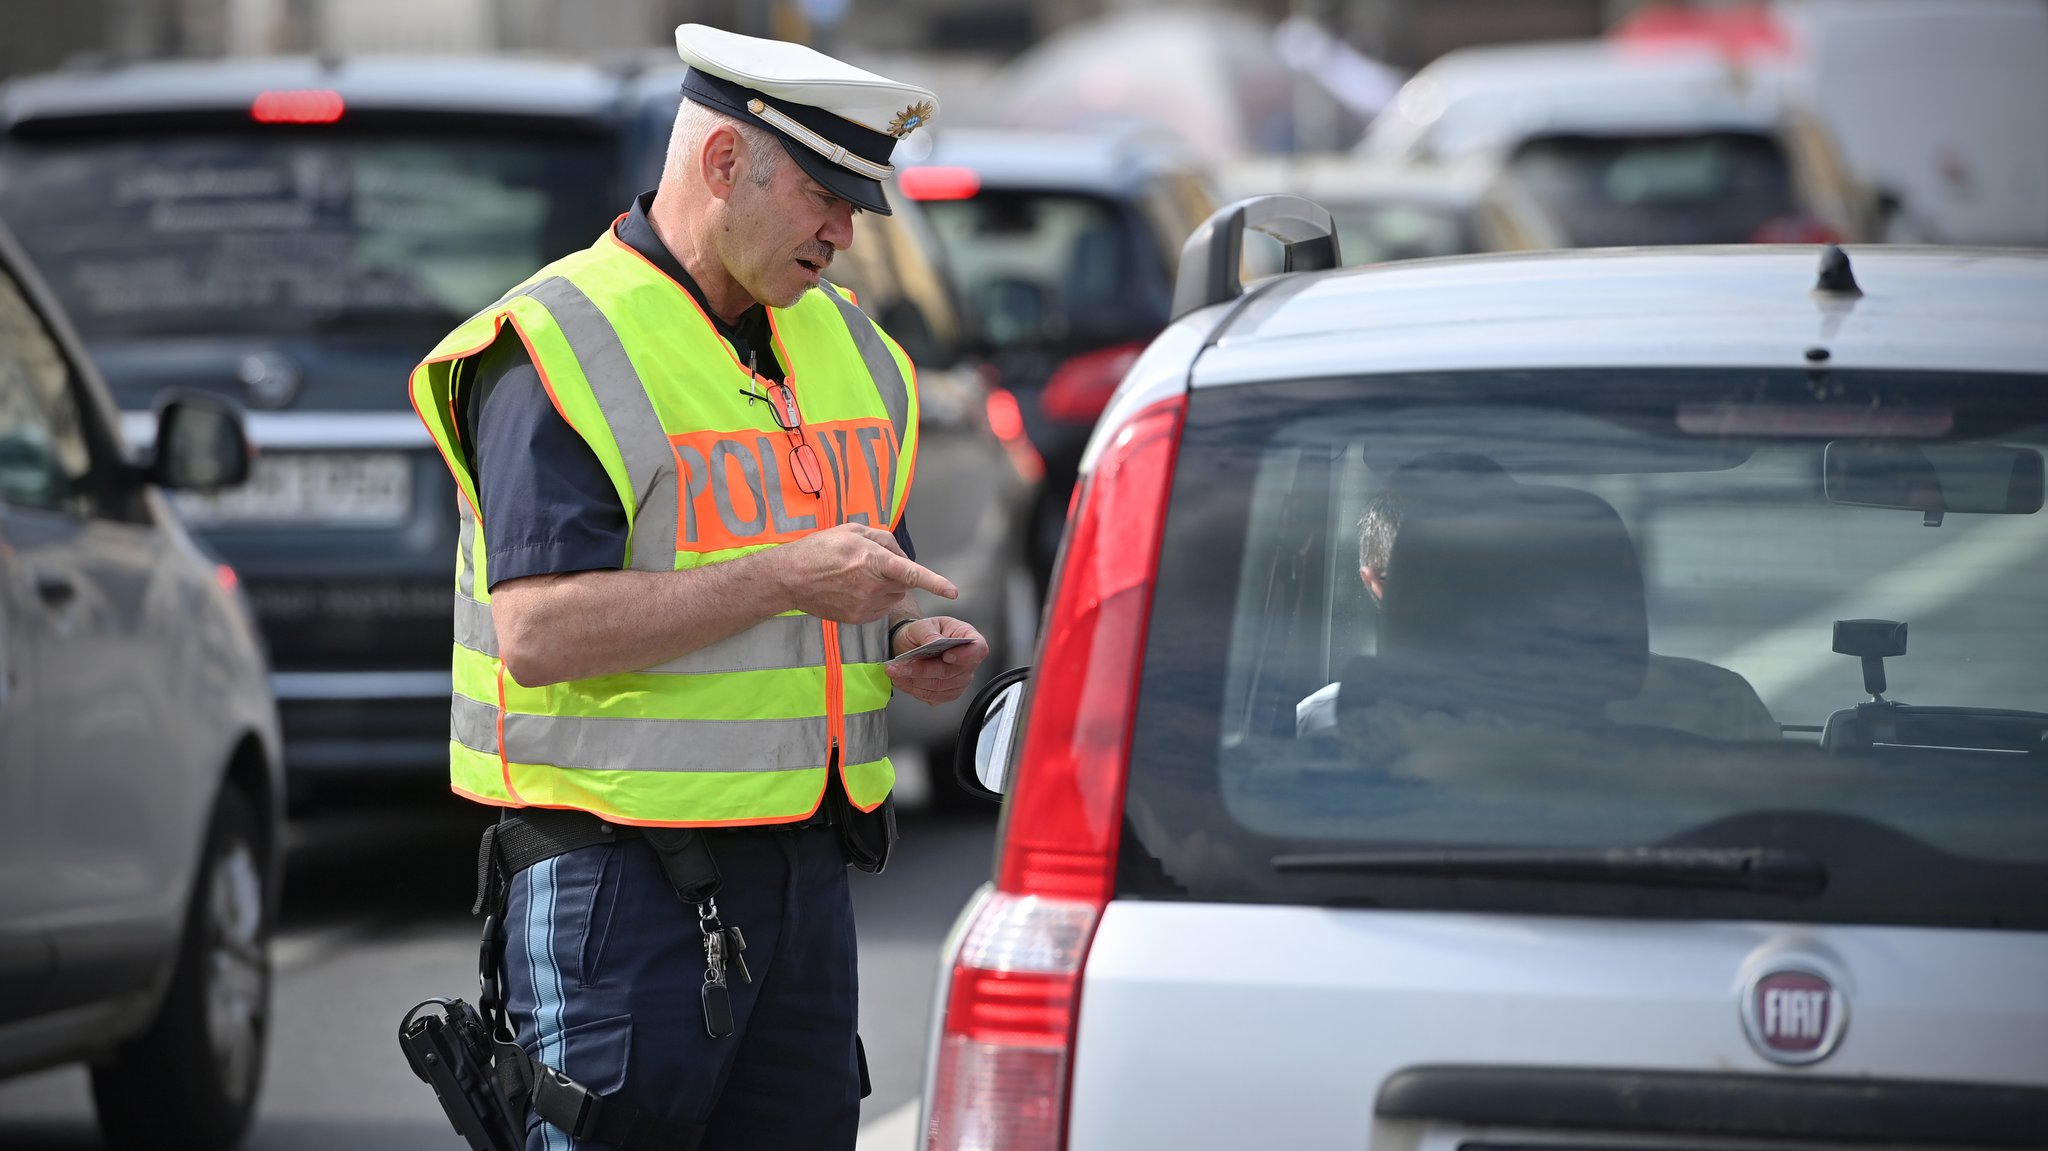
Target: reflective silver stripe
(650, 744)
(665, 744)
(465, 566)
(866, 643)
(473, 627)
(881, 365)
(473, 724)
(630, 414)
(771, 646)
(782, 641)
(785, 641)
(867, 737)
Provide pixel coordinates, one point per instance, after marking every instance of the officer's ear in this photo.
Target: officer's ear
(718, 162)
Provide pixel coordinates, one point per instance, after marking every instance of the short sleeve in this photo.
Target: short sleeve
(548, 506)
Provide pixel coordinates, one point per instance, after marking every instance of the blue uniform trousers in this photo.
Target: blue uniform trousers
(603, 971)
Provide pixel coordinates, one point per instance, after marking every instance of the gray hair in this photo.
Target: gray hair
(694, 124)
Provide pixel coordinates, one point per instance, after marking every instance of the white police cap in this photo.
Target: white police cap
(839, 122)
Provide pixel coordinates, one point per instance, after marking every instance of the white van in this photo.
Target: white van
(1943, 103)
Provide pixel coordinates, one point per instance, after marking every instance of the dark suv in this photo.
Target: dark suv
(1063, 247)
(294, 236)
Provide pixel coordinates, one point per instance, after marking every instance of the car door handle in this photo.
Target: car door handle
(55, 590)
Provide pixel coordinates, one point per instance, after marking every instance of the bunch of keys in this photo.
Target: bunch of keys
(722, 946)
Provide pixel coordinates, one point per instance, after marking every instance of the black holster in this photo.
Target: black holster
(485, 1081)
(448, 1045)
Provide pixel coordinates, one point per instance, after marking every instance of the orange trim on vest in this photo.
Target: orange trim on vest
(505, 764)
(414, 400)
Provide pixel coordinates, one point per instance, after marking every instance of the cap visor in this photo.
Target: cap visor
(852, 187)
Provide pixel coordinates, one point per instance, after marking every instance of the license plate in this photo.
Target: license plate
(311, 489)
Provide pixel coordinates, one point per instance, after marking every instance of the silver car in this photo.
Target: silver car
(140, 780)
(1554, 701)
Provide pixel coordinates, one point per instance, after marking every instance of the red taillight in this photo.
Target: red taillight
(1068, 797)
(227, 579)
(1080, 388)
(1737, 31)
(1006, 420)
(939, 183)
(1006, 1050)
(1795, 229)
(296, 106)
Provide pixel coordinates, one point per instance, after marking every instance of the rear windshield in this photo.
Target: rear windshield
(1052, 269)
(1718, 188)
(297, 231)
(1523, 642)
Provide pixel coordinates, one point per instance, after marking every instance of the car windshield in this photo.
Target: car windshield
(290, 232)
(1051, 269)
(1717, 188)
(1510, 641)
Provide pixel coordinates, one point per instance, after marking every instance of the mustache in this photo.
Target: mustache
(817, 253)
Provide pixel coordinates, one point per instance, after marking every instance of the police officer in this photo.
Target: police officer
(682, 582)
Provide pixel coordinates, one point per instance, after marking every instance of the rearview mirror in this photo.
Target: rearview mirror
(1934, 478)
(989, 735)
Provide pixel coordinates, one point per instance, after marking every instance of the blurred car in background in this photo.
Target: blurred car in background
(140, 778)
(1063, 247)
(976, 471)
(1631, 144)
(293, 235)
(1400, 212)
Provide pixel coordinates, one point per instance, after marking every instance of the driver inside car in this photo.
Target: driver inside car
(1678, 694)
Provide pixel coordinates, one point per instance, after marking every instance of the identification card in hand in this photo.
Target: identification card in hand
(934, 647)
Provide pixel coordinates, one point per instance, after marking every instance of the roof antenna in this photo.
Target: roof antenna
(1836, 279)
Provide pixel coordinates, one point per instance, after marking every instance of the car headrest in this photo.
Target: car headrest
(1516, 596)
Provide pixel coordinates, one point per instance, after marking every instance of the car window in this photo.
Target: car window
(1598, 619)
(1374, 233)
(45, 455)
(897, 282)
(1051, 268)
(1175, 205)
(1715, 188)
(292, 231)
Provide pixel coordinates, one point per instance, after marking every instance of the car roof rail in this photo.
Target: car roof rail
(1211, 262)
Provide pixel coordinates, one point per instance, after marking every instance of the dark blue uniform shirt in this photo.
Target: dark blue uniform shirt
(556, 510)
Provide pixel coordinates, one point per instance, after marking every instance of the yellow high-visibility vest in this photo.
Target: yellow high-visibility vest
(739, 732)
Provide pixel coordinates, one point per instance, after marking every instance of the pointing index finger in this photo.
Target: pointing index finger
(915, 575)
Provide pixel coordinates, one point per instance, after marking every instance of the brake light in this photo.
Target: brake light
(1794, 229)
(1006, 1051)
(227, 578)
(1081, 387)
(1006, 420)
(296, 106)
(939, 183)
(1738, 32)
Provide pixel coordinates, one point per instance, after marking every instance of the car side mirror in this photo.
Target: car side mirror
(201, 444)
(989, 735)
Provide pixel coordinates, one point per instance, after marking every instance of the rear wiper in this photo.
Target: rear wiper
(1734, 868)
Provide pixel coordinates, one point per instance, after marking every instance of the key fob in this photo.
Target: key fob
(717, 1009)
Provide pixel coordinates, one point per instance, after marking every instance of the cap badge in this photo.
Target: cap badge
(908, 119)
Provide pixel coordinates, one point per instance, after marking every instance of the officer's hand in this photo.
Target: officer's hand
(942, 677)
(853, 574)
